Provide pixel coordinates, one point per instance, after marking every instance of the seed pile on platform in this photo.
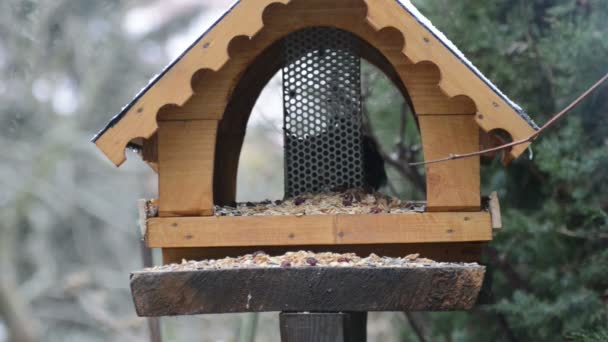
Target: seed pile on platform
(305, 259)
(352, 201)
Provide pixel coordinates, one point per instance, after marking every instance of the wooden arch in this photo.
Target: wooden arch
(220, 103)
(232, 127)
(244, 22)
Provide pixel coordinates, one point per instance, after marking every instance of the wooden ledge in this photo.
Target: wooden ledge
(313, 289)
(179, 232)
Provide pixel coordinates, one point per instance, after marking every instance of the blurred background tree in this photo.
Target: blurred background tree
(67, 217)
(551, 259)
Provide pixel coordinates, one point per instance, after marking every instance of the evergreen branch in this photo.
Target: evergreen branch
(513, 277)
(528, 139)
(570, 233)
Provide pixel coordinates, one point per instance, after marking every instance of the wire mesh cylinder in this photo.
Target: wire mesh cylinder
(322, 111)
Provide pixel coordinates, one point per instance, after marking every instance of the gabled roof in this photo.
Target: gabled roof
(426, 23)
(158, 93)
(152, 82)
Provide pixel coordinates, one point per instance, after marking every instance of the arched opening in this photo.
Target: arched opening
(392, 122)
(251, 135)
(260, 173)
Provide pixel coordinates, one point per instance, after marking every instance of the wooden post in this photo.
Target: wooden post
(186, 153)
(154, 326)
(324, 327)
(453, 185)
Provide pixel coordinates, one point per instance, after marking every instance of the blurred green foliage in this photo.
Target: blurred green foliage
(550, 262)
(68, 236)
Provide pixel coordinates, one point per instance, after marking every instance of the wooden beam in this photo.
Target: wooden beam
(186, 151)
(454, 185)
(177, 232)
(150, 152)
(312, 289)
(323, 327)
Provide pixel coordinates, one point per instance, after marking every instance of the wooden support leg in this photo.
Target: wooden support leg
(453, 185)
(324, 327)
(154, 325)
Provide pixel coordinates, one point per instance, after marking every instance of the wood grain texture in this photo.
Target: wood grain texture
(150, 151)
(422, 81)
(214, 65)
(178, 232)
(186, 152)
(312, 289)
(323, 327)
(453, 185)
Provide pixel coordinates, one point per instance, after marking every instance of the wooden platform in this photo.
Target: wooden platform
(340, 229)
(306, 289)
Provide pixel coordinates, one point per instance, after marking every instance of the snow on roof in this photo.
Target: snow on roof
(406, 4)
(424, 21)
(157, 77)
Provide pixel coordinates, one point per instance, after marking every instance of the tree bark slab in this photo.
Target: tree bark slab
(306, 289)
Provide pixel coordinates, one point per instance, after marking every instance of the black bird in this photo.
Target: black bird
(373, 164)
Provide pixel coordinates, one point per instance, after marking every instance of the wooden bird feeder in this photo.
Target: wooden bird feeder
(189, 124)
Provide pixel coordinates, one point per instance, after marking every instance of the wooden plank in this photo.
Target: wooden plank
(323, 327)
(226, 51)
(312, 289)
(412, 228)
(186, 151)
(442, 251)
(453, 185)
(177, 232)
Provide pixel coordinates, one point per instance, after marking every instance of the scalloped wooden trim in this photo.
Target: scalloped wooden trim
(174, 87)
(246, 19)
(456, 79)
